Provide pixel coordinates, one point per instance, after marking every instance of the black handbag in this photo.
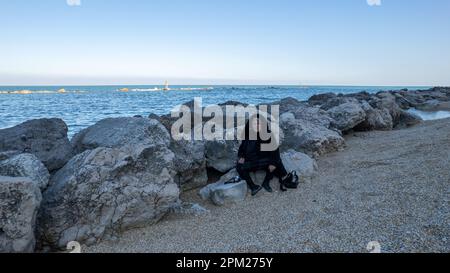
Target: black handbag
(290, 182)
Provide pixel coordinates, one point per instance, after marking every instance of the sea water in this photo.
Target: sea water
(82, 106)
(430, 115)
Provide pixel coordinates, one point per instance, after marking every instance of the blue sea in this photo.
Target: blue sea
(82, 106)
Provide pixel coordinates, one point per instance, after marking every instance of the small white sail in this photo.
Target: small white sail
(166, 86)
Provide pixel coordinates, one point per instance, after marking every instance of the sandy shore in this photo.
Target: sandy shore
(391, 187)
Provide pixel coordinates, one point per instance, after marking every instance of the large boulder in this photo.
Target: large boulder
(376, 119)
(132, 132)
(289, 104)
(336, 101)
(222, 194)
(308, 137)
(19, 202)
(45, 138)
(402, 100)
(136, 134)
(26, 165)
(105, 191)
(313, 115)
(347, 116)
(360, 96)
(386, 100)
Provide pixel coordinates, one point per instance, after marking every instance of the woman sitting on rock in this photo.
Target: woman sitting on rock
(253, 158)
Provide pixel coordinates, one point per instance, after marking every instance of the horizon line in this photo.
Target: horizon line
(228, 84)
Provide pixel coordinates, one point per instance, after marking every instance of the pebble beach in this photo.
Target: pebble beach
(388, 187)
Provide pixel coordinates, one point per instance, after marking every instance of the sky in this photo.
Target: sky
(323, 42)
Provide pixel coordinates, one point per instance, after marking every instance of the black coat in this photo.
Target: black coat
(255, 159)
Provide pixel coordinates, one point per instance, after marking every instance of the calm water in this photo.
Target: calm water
(82, 106)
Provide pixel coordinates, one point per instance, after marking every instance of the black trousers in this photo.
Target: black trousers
(245, 169)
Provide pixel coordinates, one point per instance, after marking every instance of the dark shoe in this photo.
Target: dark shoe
(255, 190)
(267, 187)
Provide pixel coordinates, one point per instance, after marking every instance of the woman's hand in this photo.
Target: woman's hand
(272, 168)
(241, 160)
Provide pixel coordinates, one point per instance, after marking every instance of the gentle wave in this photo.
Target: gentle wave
(161, 89)
(28, 92)
(426, 115)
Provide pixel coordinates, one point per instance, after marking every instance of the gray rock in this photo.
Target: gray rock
(376, 119)
(408, 119)
(320, 99)
(347, 115)
(308, 137)
(222, 194)
(45, 138)
(19, 201)
(26, 165)
(360, 96)
(205, 192)
(137, 134)
(313, 115)
(190, 164)
(8, 154)
(336, 101)
(305, 166)
(105, 191)
(410, 98)
(386, 100)
(184, 208)
(289, 105)
(131, 132)
(434, 105)
(402, 101)
(221, 155)
(229, 193)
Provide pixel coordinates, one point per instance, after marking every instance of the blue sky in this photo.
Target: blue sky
(400, 42)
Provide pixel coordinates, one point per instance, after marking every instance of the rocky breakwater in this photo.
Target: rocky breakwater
(127, 173)
(123, 173)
